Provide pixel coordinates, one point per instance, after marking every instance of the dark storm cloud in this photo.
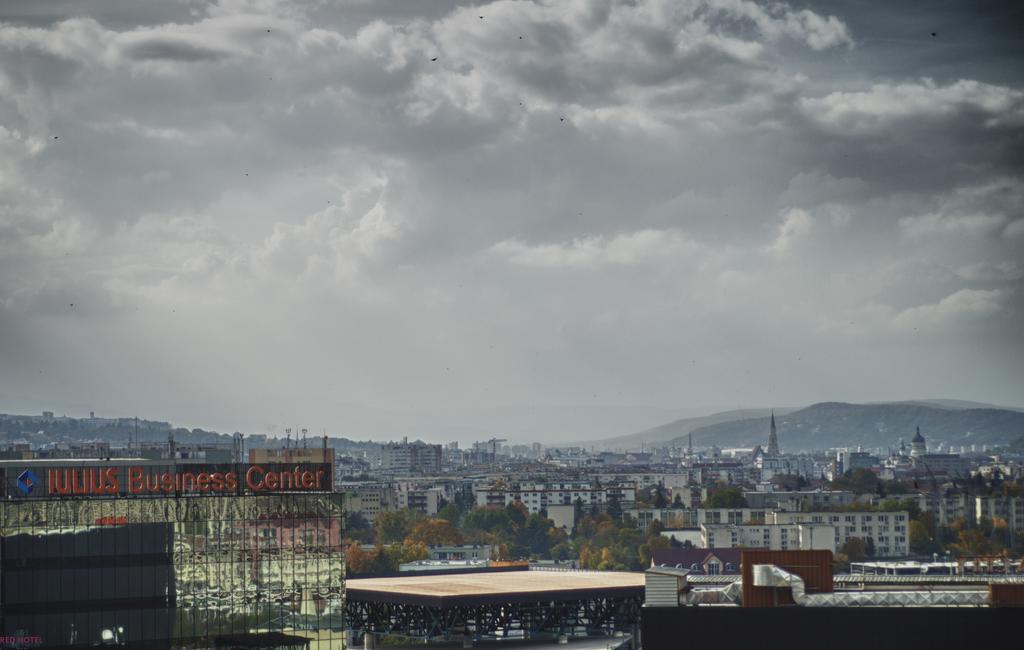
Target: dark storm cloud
(172, 49)
(294, 208)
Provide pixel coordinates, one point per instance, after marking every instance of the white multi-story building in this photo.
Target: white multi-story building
(814, 530)
(777, 537)
(800, 500)
(642, 481)
(946, 507)
(772, 466)
(888, 531)
(1009, 509)
(538, 496)
(695, 517)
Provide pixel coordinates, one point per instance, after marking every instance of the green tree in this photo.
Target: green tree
(858, 481)
(450, 512)
(728, 497)
(855, 549)
(357, 527)
(464, 499)
(517, 513)
(910, 505)
(394, 526)
(490, 519)
(921, 543)
(533, 538)
(614, 508)
(660, 500)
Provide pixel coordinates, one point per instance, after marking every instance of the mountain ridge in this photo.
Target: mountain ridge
(827, 425)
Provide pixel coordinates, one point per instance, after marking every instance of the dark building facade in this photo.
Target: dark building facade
(145, 555)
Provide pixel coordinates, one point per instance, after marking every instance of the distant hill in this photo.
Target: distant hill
(838, 424)
(119, 431)
(677, 429)
(958, 404)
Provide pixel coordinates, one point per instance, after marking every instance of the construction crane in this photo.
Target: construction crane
(494, 447)
(935, 483)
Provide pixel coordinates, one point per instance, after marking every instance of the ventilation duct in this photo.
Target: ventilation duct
(727, 595)
(770, 575)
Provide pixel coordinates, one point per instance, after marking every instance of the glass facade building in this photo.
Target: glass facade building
(182, 567)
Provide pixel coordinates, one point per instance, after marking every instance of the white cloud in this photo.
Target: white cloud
(778, 20)
(971, 225)
(334, 244)
(80, 40)
(796, 223)
(885, 104)
(1014, 229)
(1008, 270)
(965, 303)
(642, 247)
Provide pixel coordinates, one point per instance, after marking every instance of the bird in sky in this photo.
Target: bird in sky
(434, 59)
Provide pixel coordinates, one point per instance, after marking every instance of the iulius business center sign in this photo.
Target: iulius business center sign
(157, 480)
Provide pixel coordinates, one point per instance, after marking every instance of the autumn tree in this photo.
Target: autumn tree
(357, 560)
(652, 544)
(434, 532)
(972, 541)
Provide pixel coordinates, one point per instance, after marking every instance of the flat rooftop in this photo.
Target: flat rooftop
(495, 587)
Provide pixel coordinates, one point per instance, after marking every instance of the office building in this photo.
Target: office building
(411, 458)
(147, 554)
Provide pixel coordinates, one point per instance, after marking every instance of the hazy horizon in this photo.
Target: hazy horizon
(565, 219)
(536, 427)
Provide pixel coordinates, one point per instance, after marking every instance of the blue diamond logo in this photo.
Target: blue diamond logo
(27, 481)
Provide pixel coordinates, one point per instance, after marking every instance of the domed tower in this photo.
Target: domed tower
(917, 445)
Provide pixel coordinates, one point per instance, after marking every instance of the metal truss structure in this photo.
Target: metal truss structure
(602, 615)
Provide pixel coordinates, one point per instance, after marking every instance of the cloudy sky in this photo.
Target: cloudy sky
(546, 220)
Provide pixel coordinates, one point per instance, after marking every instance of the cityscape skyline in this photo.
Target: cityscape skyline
(576, 324)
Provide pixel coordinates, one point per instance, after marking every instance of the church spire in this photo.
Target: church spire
(773, 438)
